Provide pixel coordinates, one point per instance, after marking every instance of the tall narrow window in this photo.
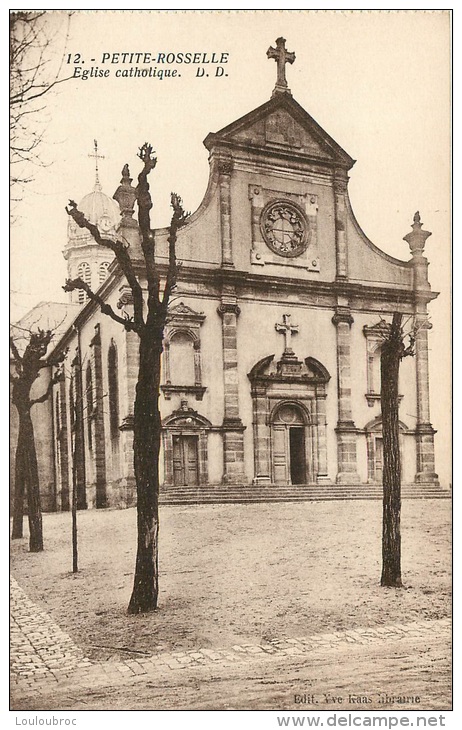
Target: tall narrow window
(182, 370)
(113, 381)
(89, 400)
(83, 272)
(102, 272)
(72, 402)
(181, 363)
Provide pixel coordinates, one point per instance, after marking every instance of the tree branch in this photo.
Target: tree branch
(124, 261)
(56, 378)
(22, 97)
(144, 200)
(17, 357)
(73, 284)
(179, 218)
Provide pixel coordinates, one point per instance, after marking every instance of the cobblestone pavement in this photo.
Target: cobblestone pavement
(44, 659)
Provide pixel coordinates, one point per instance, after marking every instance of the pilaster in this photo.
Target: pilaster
(341, 253)
(425, 449)
(322, 476)
(225, 167)
(261, 436)
(233, 436)
(346, 429)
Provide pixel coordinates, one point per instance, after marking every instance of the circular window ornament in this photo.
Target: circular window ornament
(289, 414)
(284, 228)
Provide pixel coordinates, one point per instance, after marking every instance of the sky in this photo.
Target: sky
(377, 82)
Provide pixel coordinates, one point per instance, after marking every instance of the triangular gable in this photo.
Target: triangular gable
(281, 124)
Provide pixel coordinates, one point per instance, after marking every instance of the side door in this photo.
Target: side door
(280, 456)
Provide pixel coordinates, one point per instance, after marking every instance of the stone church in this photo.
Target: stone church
(271, 361)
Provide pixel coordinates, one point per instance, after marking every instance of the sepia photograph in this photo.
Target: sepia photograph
(230, 363)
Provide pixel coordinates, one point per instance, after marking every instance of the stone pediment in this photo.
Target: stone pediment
(182, 312)
(289, 367)
(280, 129)
(281, 125)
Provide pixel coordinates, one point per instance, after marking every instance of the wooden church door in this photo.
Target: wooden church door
(185, 461)
(289, 453)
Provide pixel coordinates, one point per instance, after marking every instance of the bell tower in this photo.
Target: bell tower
(85, 258)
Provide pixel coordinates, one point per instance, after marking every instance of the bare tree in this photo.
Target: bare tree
(393, 350)
(37, 43)
(27, 367)
(149, 328)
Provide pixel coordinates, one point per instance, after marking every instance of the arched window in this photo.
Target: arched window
(181, 364)
(89, 400)
(182, 370)
(113, 381)
(102, 272)
(84, 273)
(72, 401)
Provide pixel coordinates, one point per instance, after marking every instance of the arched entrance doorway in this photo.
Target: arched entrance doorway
(289, 445)
(184, 436)
(289, 421)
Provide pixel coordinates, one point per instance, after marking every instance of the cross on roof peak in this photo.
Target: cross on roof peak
(96, 157)
(281, 56)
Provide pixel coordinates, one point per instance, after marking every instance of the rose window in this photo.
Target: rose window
(284, 228)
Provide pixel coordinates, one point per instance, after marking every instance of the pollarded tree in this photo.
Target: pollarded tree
(27, 367)
(393, 349)
(150, 329)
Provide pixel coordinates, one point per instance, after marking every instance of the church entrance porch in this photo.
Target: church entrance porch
(185, 448)
(289, 420)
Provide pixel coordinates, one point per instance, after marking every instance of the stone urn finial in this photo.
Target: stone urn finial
(416, 239)
(126, 194)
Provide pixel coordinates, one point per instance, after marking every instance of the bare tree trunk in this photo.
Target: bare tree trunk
(27, 482)
(19, 486)
(34, 511)
(26, 368)
(392, 351)
(146, 446)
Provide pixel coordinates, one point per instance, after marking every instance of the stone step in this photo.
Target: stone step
(242, 494)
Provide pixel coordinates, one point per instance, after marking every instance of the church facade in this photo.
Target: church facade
(271, 361)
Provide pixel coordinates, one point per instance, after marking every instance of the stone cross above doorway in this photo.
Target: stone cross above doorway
(286, 328)
(281, 56)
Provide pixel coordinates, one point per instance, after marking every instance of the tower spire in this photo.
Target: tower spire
(96, 157)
